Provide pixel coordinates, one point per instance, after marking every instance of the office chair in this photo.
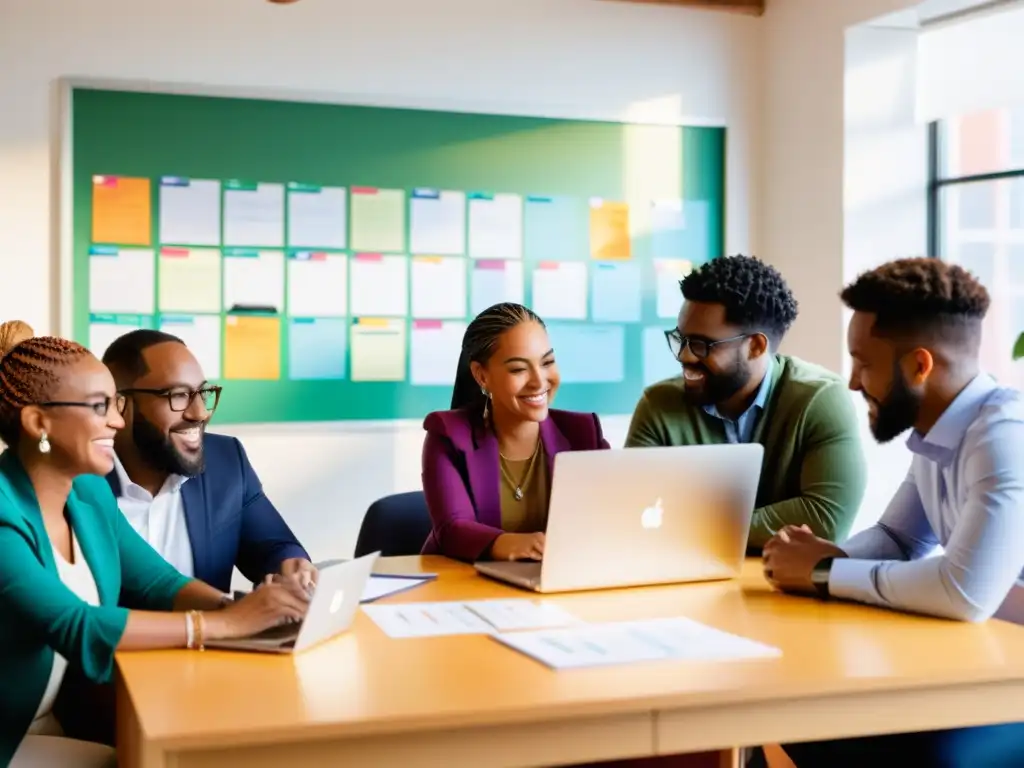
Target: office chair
(396, 525)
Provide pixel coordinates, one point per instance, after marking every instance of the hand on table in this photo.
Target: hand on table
(790, 555)
(518, 546)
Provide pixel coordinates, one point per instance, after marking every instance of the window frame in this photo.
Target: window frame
(936, 181)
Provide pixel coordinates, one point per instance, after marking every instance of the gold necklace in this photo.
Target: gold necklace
(517, 488)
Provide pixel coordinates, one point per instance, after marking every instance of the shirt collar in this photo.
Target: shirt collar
(760, 399)
(132, 489)
(944, 438)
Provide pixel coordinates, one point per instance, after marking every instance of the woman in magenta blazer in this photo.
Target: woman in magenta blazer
(487, 462)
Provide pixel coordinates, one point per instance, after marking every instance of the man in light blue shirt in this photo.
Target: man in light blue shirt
(914, 338)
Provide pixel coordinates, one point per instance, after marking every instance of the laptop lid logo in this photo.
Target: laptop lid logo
(650, 518)
(337, 601)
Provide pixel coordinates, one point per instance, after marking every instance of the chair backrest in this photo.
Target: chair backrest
(1012, 609)
(395, 525)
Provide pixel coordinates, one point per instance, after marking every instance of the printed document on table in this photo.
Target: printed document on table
(626, 642)
(427, 619)
(471, 617)
(514, 614)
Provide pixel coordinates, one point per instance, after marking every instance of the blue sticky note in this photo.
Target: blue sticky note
(616, 292)
(668, 229)
(589, 354)
(317, 348)
(556, 228)
(494, 281)
(694, 239)
(658, 361)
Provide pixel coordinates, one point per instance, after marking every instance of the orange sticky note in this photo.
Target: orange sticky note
(609, 230)
(252, 347)
(121, 211)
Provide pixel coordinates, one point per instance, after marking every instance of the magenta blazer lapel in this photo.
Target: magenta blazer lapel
(561, 431)
(485, 473)
(484, 477)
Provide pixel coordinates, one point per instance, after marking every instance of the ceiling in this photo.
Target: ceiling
(929, 12)
(752, 7)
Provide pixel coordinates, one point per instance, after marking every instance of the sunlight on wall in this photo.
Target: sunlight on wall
(652, 157)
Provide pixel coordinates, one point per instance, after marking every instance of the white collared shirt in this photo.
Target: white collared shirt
(965, 493)
(159, 519)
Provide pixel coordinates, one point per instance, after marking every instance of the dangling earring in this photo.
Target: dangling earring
(44, 443)
(487, 402)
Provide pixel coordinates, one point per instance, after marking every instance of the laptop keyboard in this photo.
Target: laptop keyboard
(281, 632)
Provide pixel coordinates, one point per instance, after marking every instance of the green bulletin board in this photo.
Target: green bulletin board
(322, 261)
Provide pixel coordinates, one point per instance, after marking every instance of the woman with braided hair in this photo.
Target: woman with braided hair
(76, 582)
(487, 463)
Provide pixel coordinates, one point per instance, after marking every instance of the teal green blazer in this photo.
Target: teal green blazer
(39, 615)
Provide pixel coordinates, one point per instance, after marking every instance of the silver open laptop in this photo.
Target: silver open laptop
(634, 516)
(335, 600)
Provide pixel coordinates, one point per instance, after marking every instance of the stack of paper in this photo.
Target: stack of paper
(627, 642)
(466, 618)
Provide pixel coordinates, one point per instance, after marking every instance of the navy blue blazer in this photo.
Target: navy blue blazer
(230, 520)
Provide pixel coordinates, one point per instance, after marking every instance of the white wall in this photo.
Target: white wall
(885, 207)
(971, 64)
(840, 189)
(572, 58)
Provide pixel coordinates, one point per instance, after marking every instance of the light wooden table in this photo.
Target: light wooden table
(366, 699)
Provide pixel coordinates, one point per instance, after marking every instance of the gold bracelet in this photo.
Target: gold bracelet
(199, 622)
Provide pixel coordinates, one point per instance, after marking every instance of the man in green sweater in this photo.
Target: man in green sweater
(736, 388)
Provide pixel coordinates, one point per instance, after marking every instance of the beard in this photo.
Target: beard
(160, 452)
(897, 412)
(717, 387)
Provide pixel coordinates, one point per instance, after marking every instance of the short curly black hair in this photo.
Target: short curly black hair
(754, 294)
(920, 296)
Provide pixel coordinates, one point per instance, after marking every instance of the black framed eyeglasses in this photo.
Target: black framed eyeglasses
(99, 407)
(700, 348)
(180, 399)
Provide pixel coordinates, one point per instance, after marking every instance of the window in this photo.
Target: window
(976, 219)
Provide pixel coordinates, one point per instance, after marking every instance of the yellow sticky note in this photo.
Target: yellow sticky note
(378, 349)
(189, 280)
(252, 347)
(609, 230)
(121, 210)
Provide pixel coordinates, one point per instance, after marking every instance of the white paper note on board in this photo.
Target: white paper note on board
(122, 280)
(493, 282)
(434, 351)
(317, 284)
(202, 335)
(438, 287)
(317, 216)
(380, 285)
(437, 222)
(253, 279)
(560, 290)
(189, 211)
(253, 214)
(495, 226)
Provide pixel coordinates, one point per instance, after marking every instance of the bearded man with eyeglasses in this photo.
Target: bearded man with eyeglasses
(736, 388)
(191, 494)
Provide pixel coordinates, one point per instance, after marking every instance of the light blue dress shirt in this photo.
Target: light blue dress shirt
(965, 492)
(741, 429)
